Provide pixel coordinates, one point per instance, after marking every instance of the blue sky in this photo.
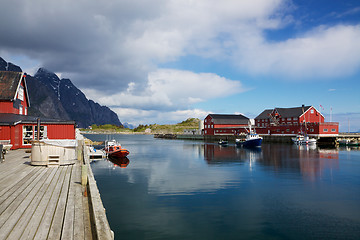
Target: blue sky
(163, 61)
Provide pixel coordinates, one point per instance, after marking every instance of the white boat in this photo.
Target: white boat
(223, 142)
(301, 139)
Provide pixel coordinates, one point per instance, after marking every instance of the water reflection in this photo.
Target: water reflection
(119, 162)
(194, 190)
(216, 154)
(310, 161)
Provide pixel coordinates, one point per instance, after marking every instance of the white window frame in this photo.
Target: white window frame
(21, 93)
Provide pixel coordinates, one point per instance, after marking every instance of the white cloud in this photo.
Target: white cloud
(325, 52)
(122, 43)
(169, 92)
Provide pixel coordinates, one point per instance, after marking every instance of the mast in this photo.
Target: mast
(302, 107)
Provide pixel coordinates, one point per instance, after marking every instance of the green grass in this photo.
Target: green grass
(189, 123)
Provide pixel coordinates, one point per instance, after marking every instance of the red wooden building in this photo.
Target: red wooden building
(225, 124)
(291, 121)
(14, 97)
(16, 126)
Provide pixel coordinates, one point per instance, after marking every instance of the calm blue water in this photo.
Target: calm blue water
(174, 189)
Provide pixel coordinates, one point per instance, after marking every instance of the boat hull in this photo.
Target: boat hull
(252, 143)
(119, 154)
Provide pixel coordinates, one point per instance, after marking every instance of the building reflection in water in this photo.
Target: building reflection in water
(310, 161)
(215, 154)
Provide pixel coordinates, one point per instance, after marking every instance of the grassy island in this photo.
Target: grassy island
(178, 128)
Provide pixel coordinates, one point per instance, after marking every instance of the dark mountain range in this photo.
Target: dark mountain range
(53, 97)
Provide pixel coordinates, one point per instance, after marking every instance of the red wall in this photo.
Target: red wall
(7, 106)
(312, 117)
(4, 132)
(58, 131)
(54, 131)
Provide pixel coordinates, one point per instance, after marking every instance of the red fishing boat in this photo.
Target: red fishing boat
(114, 149)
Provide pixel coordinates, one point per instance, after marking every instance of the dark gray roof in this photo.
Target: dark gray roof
(264, 114)
(9, 82)
(14, 119)
(229, 119)
(292, 112)
(283, 112)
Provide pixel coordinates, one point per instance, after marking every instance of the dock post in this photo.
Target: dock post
(2, 157)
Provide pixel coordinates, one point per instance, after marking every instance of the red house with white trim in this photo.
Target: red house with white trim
(14, 97)
(16, 127)
(225, 124)
(291, 121)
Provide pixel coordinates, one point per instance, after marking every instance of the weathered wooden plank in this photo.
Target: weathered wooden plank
(15, 225)
(68, 226)
(14, 164)
(79, 211)
(44, 227)
(15, 181)
(56, 224)
(47, 203)
(13, 171)
(102, 228)
(35, 219)
(87, 219)
(13, 201)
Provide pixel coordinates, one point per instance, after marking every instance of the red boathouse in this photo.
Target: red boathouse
(291, 121)
(225, 124)
(16, 127)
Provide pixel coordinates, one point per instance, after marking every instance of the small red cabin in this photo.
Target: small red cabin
(16, 127)
(225, 124)
(291, 121)
(14, 97)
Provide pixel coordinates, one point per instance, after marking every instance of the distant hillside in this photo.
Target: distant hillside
(190, 123)
(58, 98)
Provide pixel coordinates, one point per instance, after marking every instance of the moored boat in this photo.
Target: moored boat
(348, 142)
(302, 139)
(252, 140)
(114, 149)
(223, 142)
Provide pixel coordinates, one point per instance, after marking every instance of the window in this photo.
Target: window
(21, 110)
(43, 132)
(27, 135)
(30, 133)
(333, 130)
(295, 118)
(25, 112)
(21, 93)
(312, 111)
(289, 119)
(325, 130)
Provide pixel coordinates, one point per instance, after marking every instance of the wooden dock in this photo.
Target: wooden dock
(38, 202)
